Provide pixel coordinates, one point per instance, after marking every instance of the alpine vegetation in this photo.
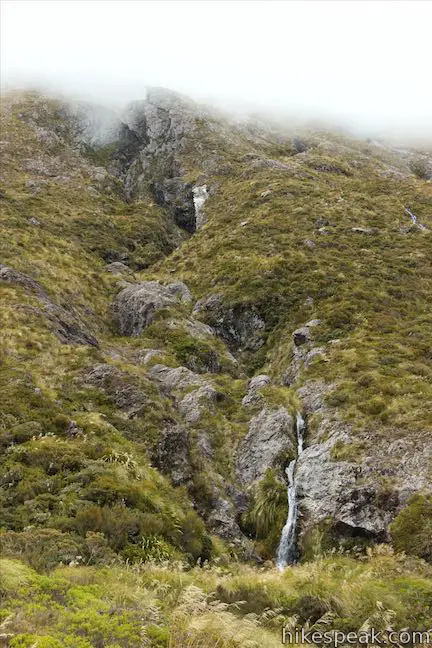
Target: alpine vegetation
(215, 373)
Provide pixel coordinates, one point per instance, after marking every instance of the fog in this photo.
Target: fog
(362, 65)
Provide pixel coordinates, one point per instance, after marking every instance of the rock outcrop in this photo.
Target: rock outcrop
(136, 305)
(269, 443)
(303, 351)
(172, 454)
(239, 325)
(353, 492)
(120, 386)
(154, 135)
(254, 397)
(200, 396)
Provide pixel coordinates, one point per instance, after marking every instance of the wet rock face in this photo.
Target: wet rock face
(65, 324)
(136, 306)
(152, 139)
(240, 325)
(271, 435)
(178, 197)
(331, 489)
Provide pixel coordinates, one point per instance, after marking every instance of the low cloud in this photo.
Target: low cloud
(363, 65)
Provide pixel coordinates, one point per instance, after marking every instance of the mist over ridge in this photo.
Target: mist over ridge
(359, 66)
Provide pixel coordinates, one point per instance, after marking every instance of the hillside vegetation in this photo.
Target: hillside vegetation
(143, 488)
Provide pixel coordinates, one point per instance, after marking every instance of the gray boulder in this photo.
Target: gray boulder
(198, 401)
(270, 438)
(253, 397)
(171, 378)
(222, 521)
(136, 306)
(143, 356)
(176, 380)
(116, 267)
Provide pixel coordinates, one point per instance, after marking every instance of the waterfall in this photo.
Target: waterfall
(414, 219)
(411, 215)
(287, 553)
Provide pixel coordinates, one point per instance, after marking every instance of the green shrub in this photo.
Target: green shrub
(150, 547)
(411, 530)
(267, 512)
(42, 549)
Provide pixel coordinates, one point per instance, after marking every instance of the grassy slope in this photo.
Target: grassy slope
(50, 476)
(370, 289)
(81, 607)
(96, 495)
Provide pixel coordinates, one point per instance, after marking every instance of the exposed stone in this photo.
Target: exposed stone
(175, 378)
(143, 356)
(298, 145)
(204, 445)
(198, 401)
(301, 336)
(136, 306)
(117, 268)
(222, 520)
(172, 455)
(120, 387)
(115, 256)
(269, 439)
(303, 352)
(194, 327)
(253, 396)
(178, 197)
(348, 492)
(363, 230)
(180, 290)
(240, 325)
(321, 222)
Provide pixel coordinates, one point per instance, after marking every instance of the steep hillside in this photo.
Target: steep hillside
(190, 306)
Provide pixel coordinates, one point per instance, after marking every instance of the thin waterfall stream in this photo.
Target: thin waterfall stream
(287, 552)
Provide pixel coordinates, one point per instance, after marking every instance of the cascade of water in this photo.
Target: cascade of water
(287, 550)
(411, 215)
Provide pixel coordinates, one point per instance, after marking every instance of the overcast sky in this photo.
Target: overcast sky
(367, 63)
